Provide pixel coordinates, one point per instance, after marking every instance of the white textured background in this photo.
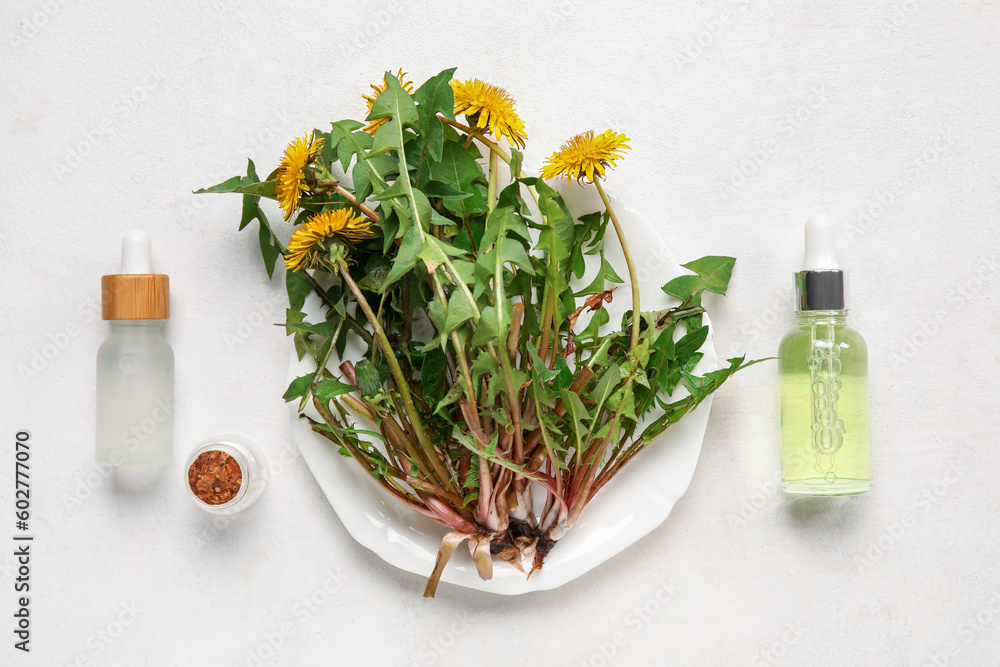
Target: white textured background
(745, 117)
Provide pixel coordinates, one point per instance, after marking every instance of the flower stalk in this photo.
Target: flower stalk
(629, 262)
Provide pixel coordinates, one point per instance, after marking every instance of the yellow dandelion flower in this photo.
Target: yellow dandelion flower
(491, 107)
(586, 155)
(307, 242)
(378, 89)
(291, 179)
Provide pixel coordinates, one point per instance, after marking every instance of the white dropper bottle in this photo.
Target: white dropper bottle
(135, 365)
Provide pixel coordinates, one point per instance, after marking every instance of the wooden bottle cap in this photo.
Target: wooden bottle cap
(135, 296)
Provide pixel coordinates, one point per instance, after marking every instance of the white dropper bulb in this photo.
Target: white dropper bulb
(137, 252)
(821, 244)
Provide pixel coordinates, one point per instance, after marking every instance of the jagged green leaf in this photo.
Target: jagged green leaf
(459, 311)
(298, 387)
(577, 417)
(327, 389)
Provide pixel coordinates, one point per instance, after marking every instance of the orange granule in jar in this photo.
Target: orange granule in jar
(215, 477)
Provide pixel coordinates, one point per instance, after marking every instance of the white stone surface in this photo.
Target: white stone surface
(744, 117)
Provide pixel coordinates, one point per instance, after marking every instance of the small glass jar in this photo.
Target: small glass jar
(253, 470)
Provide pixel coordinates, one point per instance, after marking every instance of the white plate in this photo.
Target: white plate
(634, 503)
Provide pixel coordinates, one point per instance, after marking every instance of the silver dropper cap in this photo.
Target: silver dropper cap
(821, 285)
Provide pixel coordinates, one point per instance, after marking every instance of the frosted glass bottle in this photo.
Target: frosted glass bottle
(135, 365)
(823, 373)
(135, 396)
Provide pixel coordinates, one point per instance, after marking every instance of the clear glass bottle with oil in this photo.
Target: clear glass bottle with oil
(823, 368)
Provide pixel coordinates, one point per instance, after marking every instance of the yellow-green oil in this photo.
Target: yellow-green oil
(825, 433)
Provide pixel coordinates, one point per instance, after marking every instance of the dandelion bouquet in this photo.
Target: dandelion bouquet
(493, 395)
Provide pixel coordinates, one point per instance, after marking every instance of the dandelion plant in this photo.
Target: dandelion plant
(478, 401)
